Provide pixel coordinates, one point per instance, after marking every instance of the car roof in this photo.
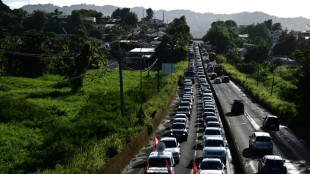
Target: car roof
(179, 123)
(180, 119)
(213, 128)
(168, 138)
(272, 116)
(273, 157)
(211, 159)
(215, 138)
(214, 122)
(160, 154)
(262, 134)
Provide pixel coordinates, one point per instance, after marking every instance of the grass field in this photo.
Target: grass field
(52, 130)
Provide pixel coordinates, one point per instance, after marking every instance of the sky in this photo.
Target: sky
(279, 8)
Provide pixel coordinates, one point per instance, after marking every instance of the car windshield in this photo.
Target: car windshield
(211, 119)
(212, 132)
(183, 109)
(274, 162)
(178, 126)
(184, 104)
(214, 143)
(170, 144)
(273, 120)
(264, 139)
(211, 165)
(179, 121)
(213, 125)
(159, 162)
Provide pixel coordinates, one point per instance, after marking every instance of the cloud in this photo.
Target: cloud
(17, 4)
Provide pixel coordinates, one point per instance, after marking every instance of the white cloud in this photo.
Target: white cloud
(17, 4)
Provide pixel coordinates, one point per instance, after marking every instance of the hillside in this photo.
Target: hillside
(198, 22)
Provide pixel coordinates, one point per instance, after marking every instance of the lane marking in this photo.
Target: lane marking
(255, 125)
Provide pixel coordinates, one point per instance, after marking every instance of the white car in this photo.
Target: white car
(157, 162)
(261, 141)
(211, 166)
(173, 146)
(215, 147)
(212, 132)
(181, 120)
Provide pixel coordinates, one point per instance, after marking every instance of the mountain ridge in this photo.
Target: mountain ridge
(198, 22)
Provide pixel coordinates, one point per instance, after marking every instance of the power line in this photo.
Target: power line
(37, 55)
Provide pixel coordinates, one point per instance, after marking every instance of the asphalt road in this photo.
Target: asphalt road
(286, 144)
(191, 149)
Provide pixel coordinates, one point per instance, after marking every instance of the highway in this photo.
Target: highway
(191, 149)
(286, 144)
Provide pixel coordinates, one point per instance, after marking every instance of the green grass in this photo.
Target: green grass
(52, 130)
(278, 102)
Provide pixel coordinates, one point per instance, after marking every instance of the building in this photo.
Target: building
(155, 22)
(137, 56)
(285, 60)
(89, 19)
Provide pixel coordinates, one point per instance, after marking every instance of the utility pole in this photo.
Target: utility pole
(272, 84)
(121, 80)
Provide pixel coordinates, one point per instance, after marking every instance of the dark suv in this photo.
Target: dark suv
(237, 108)
(271, 122)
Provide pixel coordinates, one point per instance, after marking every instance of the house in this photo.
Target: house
(134, 57)
(274, 36)
(155, 22)
(112, 25)
(157, 34)
(89, 19)
(284, 59)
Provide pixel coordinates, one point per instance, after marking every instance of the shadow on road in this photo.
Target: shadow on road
(248, 153)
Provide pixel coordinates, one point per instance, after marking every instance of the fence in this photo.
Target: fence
(119, 162)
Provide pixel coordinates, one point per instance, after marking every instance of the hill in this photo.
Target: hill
(199, 22)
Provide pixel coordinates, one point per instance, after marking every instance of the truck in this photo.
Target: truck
(218, 69)
(212, 56)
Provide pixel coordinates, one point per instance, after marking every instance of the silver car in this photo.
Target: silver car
(261, 141)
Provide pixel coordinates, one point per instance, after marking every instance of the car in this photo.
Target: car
(271, 122)
(210, 118)
(217, 81)
(212, 132)
(184, 110)
(215, 147)
(211, 165)
(225, 79)
(185, 104)
(210, 68)
(172, 145)
(261, 141)
(180, 116)
(157, 162)
(213, 124)
(179, 130)
(237, 108)
(181, 120)
(208, 114)
(272, 164)
(213, 76)
(207, 60)
(209, 109)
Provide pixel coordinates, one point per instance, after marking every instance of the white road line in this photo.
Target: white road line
(255, 125)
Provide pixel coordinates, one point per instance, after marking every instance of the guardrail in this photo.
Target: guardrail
(119, 162)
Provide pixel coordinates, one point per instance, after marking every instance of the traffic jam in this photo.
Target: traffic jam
(214, 148)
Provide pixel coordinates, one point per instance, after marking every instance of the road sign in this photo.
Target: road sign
(168, 68)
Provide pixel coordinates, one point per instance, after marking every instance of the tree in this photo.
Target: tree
(149, 14)
(268, 23)
(286, 44)
(37, 21)
(276, 26)
(230, 23)
(233, 57)
(81, 65)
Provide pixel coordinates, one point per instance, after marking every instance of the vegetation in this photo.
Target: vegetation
(53, 130)
(173, 47)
